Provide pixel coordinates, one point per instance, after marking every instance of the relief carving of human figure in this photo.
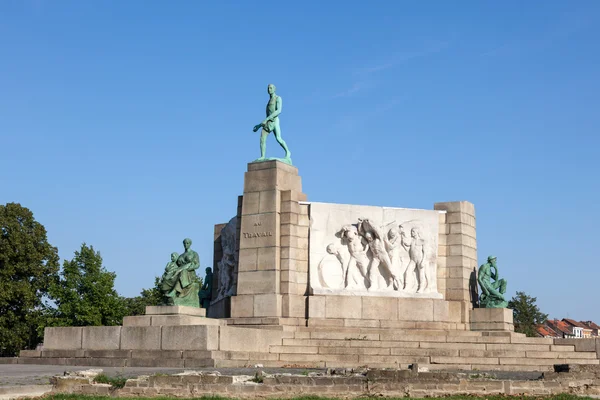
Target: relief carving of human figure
(398, 255)
(416, 251)
(380, 255)
(358, 258)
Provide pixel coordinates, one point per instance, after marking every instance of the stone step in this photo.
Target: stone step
(170, 320)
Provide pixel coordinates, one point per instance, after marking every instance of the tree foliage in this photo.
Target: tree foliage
(526, 313)
(28, 264)
(148, 297)
(85, 293)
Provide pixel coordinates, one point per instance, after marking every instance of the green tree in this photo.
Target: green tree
(85, 293)
(526, 313)
(28, 264)
(148, 297)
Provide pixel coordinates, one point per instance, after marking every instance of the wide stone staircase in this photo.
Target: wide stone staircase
(170, 338)
(435, 349)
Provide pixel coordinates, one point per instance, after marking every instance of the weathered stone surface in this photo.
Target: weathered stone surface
(63, 338)
(343, 307)
(175, 310)
(491, 319)
(415, 309)
(108, 353)
(137, 320)
(193, 337)
(326, 268)
(140, 338)
(170, 320)
(101, 337)
(246, 339)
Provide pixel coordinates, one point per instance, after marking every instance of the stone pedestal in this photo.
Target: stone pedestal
(492, 319)
(269, 240)
(171, 316)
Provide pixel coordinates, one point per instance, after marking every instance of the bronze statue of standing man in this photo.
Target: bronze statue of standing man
(271, 124)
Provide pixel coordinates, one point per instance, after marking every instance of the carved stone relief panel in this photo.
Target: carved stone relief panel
(377, 251)
(227, 278)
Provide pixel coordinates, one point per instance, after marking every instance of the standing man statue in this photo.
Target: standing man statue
(271, 124)
(492, 293)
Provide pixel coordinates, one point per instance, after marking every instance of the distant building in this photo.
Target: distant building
(591, 325)
(568, 328)
(546, 332)
(579, 329)
(562, 329)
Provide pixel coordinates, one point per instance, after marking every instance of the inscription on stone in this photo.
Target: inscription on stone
(257, 234)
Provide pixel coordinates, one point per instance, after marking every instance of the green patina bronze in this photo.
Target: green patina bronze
(179, 281)
(492, 292)
(271, 124)
(206, 290)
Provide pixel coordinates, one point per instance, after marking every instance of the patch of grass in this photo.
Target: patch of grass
(258, 378)
(118, 382)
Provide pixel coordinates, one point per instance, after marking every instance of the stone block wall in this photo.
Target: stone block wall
(270, 242)
(457, 253)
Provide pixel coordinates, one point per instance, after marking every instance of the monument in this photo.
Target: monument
(492, 293)
(312, 284)
(271, 124)
(179, 282)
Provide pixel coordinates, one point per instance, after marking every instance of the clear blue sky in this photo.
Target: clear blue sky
(127, 124)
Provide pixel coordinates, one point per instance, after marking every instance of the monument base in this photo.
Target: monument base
(492, 319)
(371, 308)
(220, 308)
(171, 316)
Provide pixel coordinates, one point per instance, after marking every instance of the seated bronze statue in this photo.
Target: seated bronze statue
(179, 281)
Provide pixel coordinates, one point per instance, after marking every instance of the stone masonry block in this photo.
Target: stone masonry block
(248, 339)
(272, 164)
(250, 203)
(462, 229)
(259, 230)
(140, 337)
(274, 178)
(460, 250)
(176, 310)
(290, 206)
(316, 306)
(457, 283)
(269, 201)
(191, 337)
(294, 241)
(458, 294)
(303, 220)
(267, 305)
(101, 337)
(379, 308)
(458, 261)
(456, 207)
(292, 195)
(459, 239)
(295, 253)
(63, 338)
(258, 282)
(294, 306)
(137, 320)
(248, 260)
(242, 306)
(343, 307)
(442, 217)
(460, 218)
(415, 309)
(492, 315)
(268, 258)
(288, 218)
